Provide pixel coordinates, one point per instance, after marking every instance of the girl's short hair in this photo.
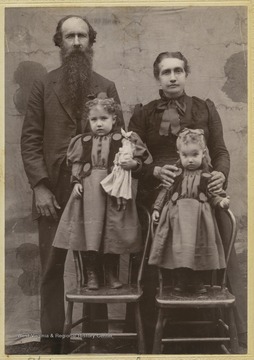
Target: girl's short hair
(57, 38)
(191, 136)
(165, 55)
(108, 104)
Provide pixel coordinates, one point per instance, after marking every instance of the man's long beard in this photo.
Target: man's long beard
(77, 74)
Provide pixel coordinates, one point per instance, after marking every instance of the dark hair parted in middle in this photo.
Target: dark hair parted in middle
(57, 38)
(167, 54)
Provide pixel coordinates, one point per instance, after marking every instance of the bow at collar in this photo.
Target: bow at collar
(166, 102)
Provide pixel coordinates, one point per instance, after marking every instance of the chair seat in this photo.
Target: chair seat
(127, 293)
(214, 297)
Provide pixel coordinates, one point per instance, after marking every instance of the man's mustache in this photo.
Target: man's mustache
(77, 52)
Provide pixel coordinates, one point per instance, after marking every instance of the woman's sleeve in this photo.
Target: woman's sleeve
(216, 145)
(140, 154)
(140, 151)
(161, 199)
(215, 199)
(137, 122)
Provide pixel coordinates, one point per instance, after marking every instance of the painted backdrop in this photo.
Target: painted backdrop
(214, 40)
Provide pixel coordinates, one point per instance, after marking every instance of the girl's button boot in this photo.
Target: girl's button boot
(181, 277)
(111, 263)
(197, 283)
(92, 280)
(91, 259)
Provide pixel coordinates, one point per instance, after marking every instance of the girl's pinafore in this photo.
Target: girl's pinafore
(187, 234)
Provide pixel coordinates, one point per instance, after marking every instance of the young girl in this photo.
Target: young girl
(187, 238)
(93, 221)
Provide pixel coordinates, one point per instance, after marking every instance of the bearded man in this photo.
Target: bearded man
(56, 113)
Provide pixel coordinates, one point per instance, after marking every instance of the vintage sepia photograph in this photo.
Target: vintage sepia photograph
(126, 198)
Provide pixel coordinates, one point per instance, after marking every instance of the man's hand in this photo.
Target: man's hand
(165, 174)
(77, 190)
(45, 201)
(155, 216)
(216, 183)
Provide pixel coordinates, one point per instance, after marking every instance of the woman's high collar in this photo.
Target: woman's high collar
(166, 98)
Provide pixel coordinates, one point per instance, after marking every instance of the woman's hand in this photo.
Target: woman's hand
(77, 190)
(224, 204)
(165, 174)
(155, 216)
(216, 183)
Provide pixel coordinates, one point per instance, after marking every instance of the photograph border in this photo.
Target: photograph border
(250, 173)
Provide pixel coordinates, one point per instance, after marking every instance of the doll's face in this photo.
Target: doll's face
(191, 155)
(101, 122)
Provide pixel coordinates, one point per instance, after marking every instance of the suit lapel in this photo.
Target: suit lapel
(60, 90)
(95, 88)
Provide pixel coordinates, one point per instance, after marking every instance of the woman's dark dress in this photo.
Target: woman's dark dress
(199, 114)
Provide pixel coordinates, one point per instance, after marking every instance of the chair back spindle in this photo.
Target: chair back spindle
(227, 227)
(146, 226)
(79, 269)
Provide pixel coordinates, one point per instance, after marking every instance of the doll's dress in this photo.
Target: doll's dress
(187, 234)
(119, 182)
(93, 222)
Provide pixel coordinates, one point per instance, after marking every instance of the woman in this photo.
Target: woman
(158, 124)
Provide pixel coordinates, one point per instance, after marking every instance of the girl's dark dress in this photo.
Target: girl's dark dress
(187, 234)
(93, 221)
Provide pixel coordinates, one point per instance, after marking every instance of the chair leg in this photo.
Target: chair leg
(86, 326)
(220, 317)
(67, 329)
(130, 318)
(140, 330)
(158, 333)
(233, 332)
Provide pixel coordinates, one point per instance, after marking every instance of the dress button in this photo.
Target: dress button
(175, 196)
(202, 197)
(87, 167)
(117, 137)
(87, 138)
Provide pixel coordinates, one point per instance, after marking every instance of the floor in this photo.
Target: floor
(118, 347)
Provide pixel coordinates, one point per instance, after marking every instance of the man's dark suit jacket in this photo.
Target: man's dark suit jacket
(49, 125)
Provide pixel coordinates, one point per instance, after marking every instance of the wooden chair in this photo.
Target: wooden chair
(218, 300)
(130, 293)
